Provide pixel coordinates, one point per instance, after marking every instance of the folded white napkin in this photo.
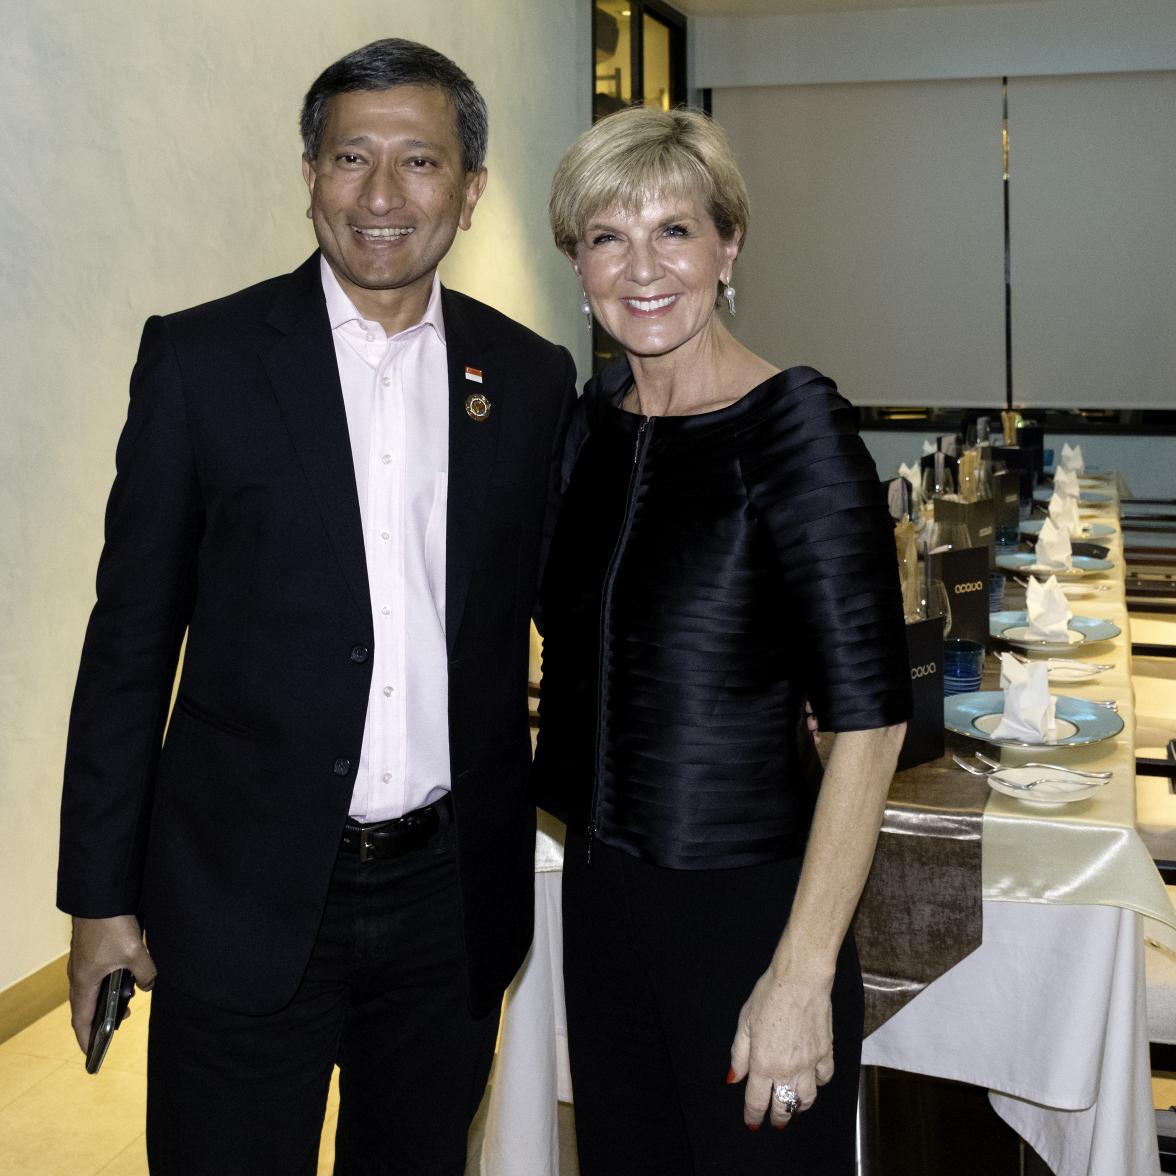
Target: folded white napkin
(1066, 482)
(1072, 459)
(1028, 705)
(897, 500)
(928, 447)
(912, 475)
(1063, 510)
(1053, 549)
(1048, 610)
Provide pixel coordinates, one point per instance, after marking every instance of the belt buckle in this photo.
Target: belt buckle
(365, 845)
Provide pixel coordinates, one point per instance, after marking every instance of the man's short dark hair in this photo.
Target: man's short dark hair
(396, 62)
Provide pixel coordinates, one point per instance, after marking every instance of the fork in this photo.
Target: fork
(1022, 785)
(975, 771)
(1052, 767)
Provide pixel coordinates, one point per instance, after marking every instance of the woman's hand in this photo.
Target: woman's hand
(785, 1035)
(810, 721)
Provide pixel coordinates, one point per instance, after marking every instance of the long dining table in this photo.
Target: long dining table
(1049, 1012)
(1046, 1009)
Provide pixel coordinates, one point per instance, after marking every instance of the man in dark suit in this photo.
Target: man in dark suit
(335, 484)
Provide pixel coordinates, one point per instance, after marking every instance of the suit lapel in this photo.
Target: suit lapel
(305, 378)
(472, 445)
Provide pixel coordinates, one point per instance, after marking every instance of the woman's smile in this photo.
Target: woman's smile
(648, 307)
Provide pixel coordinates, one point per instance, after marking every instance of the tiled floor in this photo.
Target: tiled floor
(57, 1120)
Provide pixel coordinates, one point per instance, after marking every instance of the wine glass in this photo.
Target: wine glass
(936, 603)
(945, 536)
(937, 479)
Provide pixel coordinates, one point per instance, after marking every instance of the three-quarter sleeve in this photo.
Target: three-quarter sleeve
(813, 486)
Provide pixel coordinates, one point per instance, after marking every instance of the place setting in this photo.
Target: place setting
(1071, 589)
(1066, 483)
(1053, 555)
(1083, 530)
(1047, 624)
(1024, 715)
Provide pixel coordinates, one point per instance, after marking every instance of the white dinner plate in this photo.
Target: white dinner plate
(1078, 589)
(1053, 787)
(1061, 670)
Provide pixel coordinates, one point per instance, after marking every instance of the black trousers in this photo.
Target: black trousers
(657, 965)
(384, 996)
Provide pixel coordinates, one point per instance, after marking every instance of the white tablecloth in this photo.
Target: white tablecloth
(1050, 1016)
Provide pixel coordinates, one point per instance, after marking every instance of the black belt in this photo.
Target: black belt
(390, 839)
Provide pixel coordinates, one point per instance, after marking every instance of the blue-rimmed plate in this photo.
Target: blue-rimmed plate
(1044, 494)
(1012, 626)
(1078, 721)
(1085, 530)
(1080, 565)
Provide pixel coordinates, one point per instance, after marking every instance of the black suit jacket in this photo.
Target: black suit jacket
(234, 518)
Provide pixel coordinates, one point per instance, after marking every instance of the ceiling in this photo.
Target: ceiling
(811, 7)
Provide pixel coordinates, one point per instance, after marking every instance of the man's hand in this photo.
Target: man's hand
(97, 948)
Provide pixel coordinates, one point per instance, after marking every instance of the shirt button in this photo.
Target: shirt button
(387, 380)
(385, 610)
(387, 459)
(387, 691)
(385, 535)
(370, 337)
(359, 653)
(341, 766)
(387, 777)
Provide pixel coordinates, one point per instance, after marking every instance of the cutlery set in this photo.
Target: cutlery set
(991, 767)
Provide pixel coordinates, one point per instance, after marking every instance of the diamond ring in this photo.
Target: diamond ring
(786, 1098)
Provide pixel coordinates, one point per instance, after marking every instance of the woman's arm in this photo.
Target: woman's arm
(785, 1029)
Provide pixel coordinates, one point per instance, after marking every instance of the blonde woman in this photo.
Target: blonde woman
(723, 553)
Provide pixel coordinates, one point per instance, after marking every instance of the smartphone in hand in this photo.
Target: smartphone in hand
(114, 994)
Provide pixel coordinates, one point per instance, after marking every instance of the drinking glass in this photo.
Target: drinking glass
(963, 662)
(937, 604)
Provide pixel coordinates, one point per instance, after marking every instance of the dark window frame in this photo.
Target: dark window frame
(676, 22)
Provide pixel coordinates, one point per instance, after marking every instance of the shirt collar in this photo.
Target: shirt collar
(341, 310)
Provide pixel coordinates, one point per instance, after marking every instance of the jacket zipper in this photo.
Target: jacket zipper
(640, 448)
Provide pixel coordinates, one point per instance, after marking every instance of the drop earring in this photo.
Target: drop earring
(729, 295)
(586, 308)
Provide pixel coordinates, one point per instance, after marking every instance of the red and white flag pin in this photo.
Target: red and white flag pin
(474, 374)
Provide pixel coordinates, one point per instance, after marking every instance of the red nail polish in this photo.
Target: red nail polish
(753, 1126)
(730, 1075)
(780, 1126)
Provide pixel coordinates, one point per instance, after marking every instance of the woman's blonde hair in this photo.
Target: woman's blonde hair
(640, 153)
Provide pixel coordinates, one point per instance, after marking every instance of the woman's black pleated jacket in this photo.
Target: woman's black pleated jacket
(707, 574)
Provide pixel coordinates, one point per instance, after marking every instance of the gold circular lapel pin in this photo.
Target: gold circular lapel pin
(477, 406)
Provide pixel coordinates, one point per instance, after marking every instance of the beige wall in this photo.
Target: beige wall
(152, 162)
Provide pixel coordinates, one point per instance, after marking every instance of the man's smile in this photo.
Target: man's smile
(379, 234)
